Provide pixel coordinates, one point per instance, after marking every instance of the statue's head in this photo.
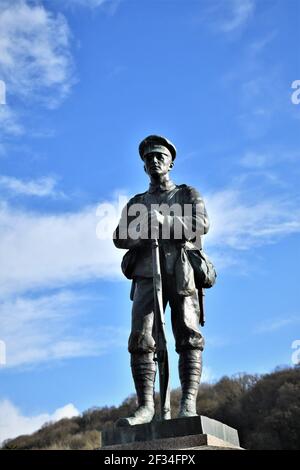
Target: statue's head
(158, 154)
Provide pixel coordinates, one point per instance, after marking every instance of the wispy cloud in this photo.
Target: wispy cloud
(13, 423)
(41, 187)
(63, 248)
(257, 80)
(240, 11)
(43, 251)
(36, 63)
(274, 324)
(88, 3)
(259, 101)
(241, 223)
(255, 160)
(230, 16)
(110, 6)
(265, 159)
(260, 45)
(28, 342)
(35, 58)
(10, 121)
(39, 250)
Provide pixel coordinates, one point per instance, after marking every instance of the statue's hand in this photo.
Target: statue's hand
(155, 219)
(144, 228)
(149, 226)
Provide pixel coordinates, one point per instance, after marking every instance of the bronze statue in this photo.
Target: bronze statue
(162, 229)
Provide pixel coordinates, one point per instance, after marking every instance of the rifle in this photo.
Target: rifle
(161, 354)
(201, 295)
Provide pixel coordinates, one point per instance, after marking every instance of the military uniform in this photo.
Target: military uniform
(184, 308)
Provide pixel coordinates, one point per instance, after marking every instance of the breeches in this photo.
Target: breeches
(184, 317)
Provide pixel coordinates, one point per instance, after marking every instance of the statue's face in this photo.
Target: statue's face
(157, 164)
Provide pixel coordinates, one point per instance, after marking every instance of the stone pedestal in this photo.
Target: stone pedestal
(197, 433)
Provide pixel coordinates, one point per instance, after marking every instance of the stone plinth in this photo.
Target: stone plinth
(184, 433)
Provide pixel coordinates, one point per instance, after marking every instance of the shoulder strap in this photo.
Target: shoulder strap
(172, 193)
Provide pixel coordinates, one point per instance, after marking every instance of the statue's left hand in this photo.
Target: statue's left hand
(155, 218)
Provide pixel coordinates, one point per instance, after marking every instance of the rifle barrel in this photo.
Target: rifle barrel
(160, 337)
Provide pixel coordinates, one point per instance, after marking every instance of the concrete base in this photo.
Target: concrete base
(197, 442)
(198, 432)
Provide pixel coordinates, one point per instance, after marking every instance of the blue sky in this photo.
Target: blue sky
(86, 81)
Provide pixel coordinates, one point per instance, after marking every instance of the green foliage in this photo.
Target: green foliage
(265, 410)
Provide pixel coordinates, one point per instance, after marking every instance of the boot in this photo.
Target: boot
(143, 370)
(190, 367)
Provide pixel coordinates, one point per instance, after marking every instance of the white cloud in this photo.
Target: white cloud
(43, 251)
(49, 327)
(40, 251)
(41, 187)
(260, 160)
(35, 59)
(255, 160)
(229, 16)
(88, 3)
(13, 423)
(107, 6)
(261, 44)
(275, 324)
(261, 96)
(239, 223)
(36, 63)
(10, 121)
(56, 250)
(112, 4)
(52, 250)
(240, 12)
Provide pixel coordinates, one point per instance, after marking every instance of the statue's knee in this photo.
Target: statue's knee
(191, 341)
(140, 342)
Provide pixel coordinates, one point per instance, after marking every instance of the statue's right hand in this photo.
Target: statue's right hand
(144, 228)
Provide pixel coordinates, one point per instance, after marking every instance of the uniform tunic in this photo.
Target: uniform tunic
(184, 309)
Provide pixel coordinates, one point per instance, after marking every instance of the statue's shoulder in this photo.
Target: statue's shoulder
(186, 187)
(189, 191)
(137, 198)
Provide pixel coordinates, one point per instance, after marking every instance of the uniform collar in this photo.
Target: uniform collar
(164, 186)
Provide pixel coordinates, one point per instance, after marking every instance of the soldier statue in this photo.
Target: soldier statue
(178, 280)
